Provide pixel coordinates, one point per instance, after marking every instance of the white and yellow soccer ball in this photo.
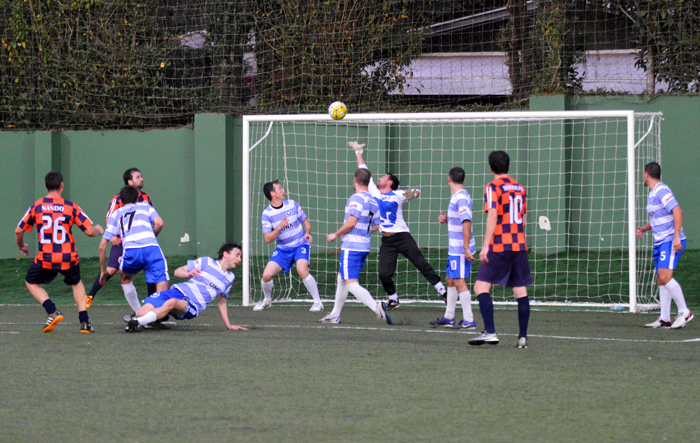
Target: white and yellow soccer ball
(337, 110)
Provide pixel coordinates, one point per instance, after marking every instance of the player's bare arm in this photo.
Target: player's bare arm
(347, 227)
(677, 225)
(157, 226)
(182, 272)
(467, 234)
(491, 220)
(307, 230)
(442, 219)
(19, 238)
(223, 310)
(94, 231)
(271, 236)
(642, 229)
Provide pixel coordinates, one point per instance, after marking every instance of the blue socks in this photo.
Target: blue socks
(523, 315)
(83, 317)
(486, 308)
(97, 286)
(49, 306)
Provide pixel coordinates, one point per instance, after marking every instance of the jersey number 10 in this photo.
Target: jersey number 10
(516, 209)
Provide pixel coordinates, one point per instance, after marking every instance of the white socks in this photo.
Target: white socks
(267, 289)
(363, 295)
(440, 287)
(465, 298)
(149, 317)
(312, 287)
(451, 303)
(674, 289)
(131, 297)
(665, 302)
(394, 297)
(341, 294)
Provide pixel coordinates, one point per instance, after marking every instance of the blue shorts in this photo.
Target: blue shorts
(286, 257)
(115, 256)
(509, 268)
(351, 263)
(159, 298)
(149, 259)
(665, 257)
(458, 267)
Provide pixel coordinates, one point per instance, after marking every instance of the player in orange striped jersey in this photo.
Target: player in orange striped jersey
(504, 254)
(132, 177)
(54, 217)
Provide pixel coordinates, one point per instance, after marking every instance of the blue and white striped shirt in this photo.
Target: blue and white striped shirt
(660, 206)
(365, 208)
(210, 283)
(459, 211)
(390, 208)
(293, 234)
(134, 224)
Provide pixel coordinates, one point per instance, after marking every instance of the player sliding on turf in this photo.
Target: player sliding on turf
(396, 238)
(184, 301)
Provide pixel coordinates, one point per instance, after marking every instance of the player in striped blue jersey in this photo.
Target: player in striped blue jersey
(666, 223)
(396, 237)
(209, 279)
(137, 224)
(285, 221)
(361, 219)
(460, 252)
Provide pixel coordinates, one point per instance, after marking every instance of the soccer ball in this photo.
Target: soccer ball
(337, 110)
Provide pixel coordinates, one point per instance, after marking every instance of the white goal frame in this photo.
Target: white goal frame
(538, 115)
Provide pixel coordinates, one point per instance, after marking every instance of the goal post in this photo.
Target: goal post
(581, 170)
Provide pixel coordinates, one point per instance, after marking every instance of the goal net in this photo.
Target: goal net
(581, 171)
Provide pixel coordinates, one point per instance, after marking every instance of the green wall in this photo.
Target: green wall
(193, 174)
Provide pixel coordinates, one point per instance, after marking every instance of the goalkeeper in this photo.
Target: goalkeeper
(396, 238)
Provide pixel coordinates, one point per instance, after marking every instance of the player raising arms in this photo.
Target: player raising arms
(396, 238)
(504, 254)
(132, 177)
(209, 279)
(359, 223)
(666, 223)
(54, 217)
(285, 221)
(137, 224)
(460, 252)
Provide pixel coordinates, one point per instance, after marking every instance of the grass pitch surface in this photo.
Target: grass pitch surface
(587, 376)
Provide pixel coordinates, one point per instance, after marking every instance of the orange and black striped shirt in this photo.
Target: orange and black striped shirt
(508, 197)
(54, 217)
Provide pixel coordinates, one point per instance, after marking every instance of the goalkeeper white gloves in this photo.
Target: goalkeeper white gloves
(356, 147)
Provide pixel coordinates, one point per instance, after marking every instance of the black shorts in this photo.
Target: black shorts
(36, 275)
(509, 268)
(115, 256)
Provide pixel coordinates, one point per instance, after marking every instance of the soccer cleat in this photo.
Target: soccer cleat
(443, 297)
(317, 307)
(392, 304)
(158, 324)
(465, 325)
(133, 326)
(658, 324)
(331, 320)
(53, 320)
(86, 328)
(381, 313)
(522, 343)
(261, 306)
(446, 322)
(128, 318)
(485, 338)
(681, 320)
(88, 301)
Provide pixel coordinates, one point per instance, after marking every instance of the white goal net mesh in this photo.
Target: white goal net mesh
(574, 171)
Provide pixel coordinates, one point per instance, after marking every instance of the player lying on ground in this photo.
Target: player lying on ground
(54, 217)
(285, 221)
(184, 301)
(396, 238)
